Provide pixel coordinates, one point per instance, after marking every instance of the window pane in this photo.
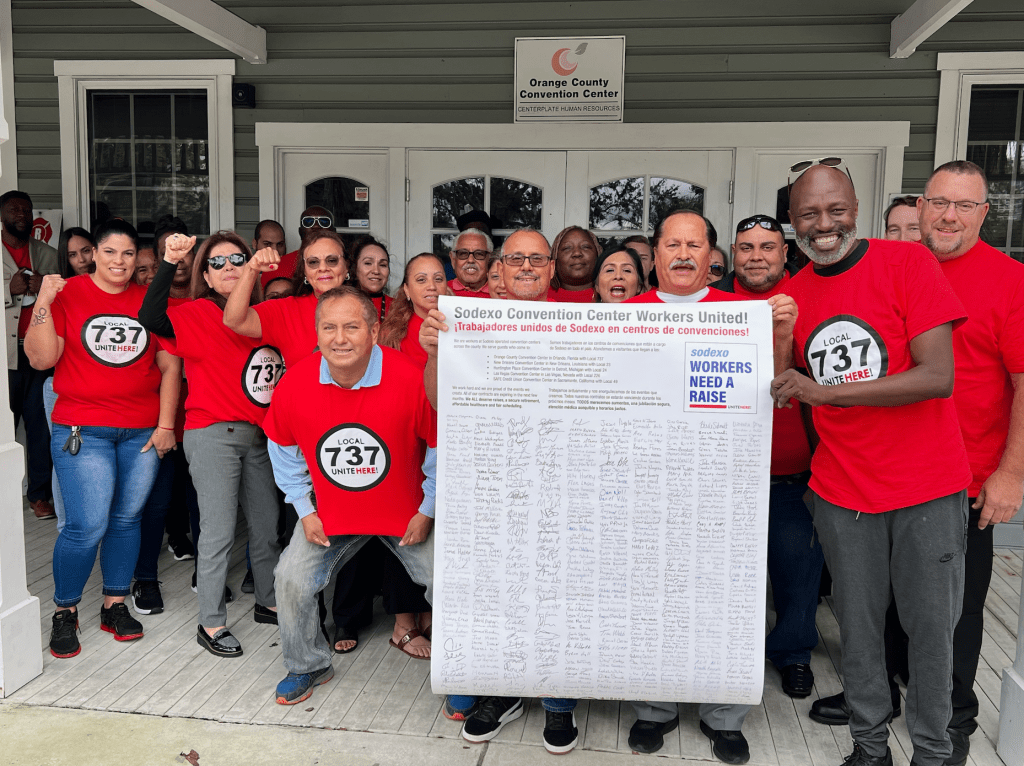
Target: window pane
(348, 200)
(452, 199)
(618, 204)
(515, 204)
(993, 114)
(140, 166)
(442, 243)
(668, 194)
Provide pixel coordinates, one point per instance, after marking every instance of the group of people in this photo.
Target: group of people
(898, 440)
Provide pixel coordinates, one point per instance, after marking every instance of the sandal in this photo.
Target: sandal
(342, 634)
(402, 644)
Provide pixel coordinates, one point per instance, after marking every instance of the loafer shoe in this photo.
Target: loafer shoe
(961, 748)
(264, 614)
(727, 746)
(43, 509)
(797, 680)
(296, 687)
(833, 711)
(649, 736)
(221, 643)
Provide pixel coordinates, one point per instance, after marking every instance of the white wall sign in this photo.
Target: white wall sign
(46, 226)
(602, 500)
(569, 79)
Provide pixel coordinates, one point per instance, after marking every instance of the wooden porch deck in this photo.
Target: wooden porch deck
(378, 689)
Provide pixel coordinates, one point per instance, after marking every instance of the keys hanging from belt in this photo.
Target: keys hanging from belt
(74, 442)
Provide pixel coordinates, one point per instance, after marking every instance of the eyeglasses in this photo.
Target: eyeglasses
(323, 221)
(717, 270)
(518, 259)
(330, 261)
(218, 262)
(941, 205)
(764, 221)
(476, 255)
(830, 162)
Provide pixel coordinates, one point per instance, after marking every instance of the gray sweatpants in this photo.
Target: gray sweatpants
(229, 464)
(719, 717)
(919, 552)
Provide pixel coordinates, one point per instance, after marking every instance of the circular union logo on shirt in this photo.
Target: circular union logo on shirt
(353, 457)
(845, 349)
(115, 340)
(261, 373)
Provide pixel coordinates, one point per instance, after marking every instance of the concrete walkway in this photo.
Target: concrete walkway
(32, 735)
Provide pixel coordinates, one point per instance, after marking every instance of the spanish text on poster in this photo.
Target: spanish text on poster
(603, 478)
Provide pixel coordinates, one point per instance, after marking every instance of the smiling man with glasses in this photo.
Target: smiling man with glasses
(469, 255)
(989, 352)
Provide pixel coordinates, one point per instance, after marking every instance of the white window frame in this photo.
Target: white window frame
(959, 73)
(76, 78)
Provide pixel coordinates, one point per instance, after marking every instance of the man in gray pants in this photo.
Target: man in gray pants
(890, 473)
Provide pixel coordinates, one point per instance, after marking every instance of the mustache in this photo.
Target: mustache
(680, 262)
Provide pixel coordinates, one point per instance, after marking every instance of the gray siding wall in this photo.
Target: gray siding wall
(388, 61)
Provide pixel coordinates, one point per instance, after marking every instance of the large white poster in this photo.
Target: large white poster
(602, 500)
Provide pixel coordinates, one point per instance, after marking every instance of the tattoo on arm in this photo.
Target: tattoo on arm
(39, 317)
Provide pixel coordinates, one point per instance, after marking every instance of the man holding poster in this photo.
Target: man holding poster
(890, 472)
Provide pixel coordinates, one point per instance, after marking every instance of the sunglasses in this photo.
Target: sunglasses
(331, 260)
(218, 262)
(323, 221)
(830, 162)
(717, 270)
(764, 221)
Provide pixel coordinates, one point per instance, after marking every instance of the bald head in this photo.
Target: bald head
(823, 210)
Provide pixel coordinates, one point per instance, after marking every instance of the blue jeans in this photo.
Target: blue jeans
(104, 488)
(49, 402)
(154, 513)
(462, 703)
(304, 571)
(794, 566)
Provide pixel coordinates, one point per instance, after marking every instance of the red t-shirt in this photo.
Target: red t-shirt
(107, 374)
(21, 257)
(464, 292)
(286, 268)
(289, 324)
(410, 345)
(232, 376)
(714, 296)
(364, 447)
(383, 305)
(856, 321)
(988, 349)
(571, 296)
(791, 452)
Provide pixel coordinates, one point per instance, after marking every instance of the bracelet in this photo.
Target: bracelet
(165, 428)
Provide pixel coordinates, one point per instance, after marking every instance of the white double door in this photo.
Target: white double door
(565, 180)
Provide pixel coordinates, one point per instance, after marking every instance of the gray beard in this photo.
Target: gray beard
(804, 243)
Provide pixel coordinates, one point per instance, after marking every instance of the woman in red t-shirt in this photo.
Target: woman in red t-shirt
(114, 419)
(618, 274)
(288, 323)
(421, 286)
(370, 267)
(231, 381)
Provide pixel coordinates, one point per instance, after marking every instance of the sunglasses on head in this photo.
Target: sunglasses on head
(218, 262)
(323, 221)
(830, 162)
(717, 270)
(764, 221)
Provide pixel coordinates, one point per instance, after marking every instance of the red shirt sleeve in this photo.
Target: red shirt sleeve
(1011, 339)
(927, 294)
(60, 317)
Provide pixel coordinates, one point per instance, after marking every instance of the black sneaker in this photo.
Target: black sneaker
(248, 584)
(560, 732)
(491, 714)
(119, 621)
(146, 598)
(228, 595)
(859, 758)
(182, 549)
(64, 635)
(649, 736)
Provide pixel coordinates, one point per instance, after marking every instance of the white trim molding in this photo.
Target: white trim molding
(216, 24)
(919, 22)
(959, 72)
(76, 78)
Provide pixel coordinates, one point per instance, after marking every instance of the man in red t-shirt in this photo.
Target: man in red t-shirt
(794, 553)
(26, 260)
(890, 472)
(989, 389)
(269, 233)
(349, 429)
(469, 255)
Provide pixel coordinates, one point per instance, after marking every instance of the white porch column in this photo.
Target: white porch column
(21, 659)
(1011, 703)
